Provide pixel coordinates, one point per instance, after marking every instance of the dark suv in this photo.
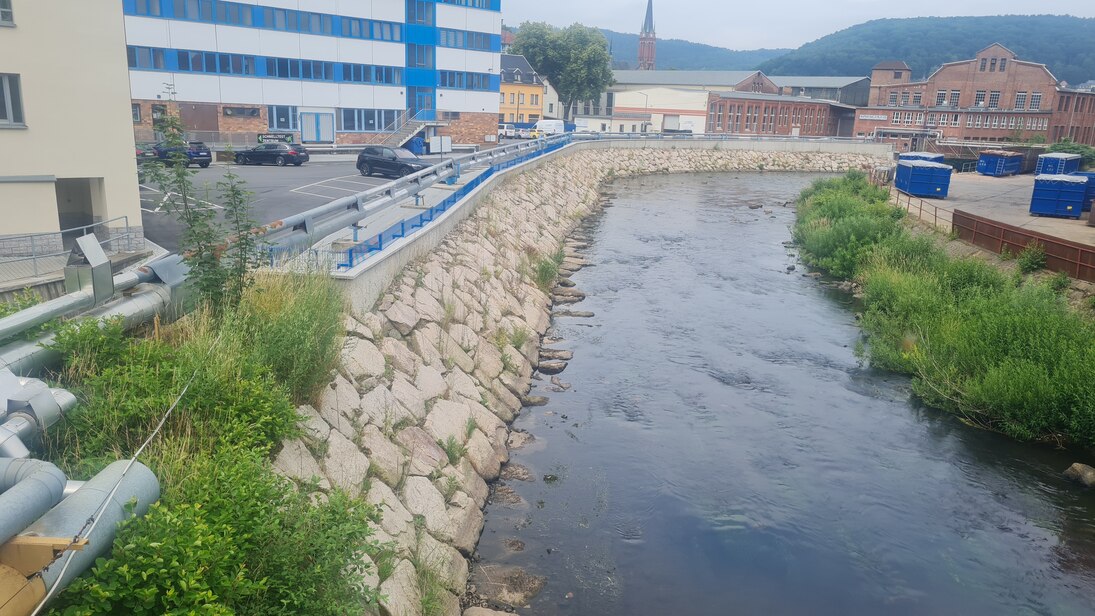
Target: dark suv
(280, 154)
(197, 153)
(395, 162)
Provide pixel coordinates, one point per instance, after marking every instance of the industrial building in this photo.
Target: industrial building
(325, 71)
(67, 139)
(747, 113)
(992, 98)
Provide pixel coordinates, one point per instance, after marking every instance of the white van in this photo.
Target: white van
(550, 127)
(507, 131)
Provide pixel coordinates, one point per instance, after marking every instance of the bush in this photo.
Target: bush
(1032, 258)
(1006, 355)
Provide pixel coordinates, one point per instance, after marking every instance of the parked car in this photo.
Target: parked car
(197, 153)
(395, 162)
(279, 154)
(146, 152)
(551, 127)
(529, 133)
(507, 131)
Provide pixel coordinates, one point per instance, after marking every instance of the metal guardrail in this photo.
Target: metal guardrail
(915, 206)
(43, 254)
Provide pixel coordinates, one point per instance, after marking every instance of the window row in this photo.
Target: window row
(459, 80)
(515, 98)
(459, 39)
(184, 61)
(475, 4)
(367, 120)
(977, 120)
(227, 13)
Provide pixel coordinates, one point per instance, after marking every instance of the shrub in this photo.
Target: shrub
(453, 449)
(1060, 282)
(545, 273)
(1032, 258)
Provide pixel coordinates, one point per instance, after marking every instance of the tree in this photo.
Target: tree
(1068, 146)
(242, 255)
(575, 60)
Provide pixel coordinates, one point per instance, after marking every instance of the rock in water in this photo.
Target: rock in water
(552, 367)
(534, 400)
(1081, 473)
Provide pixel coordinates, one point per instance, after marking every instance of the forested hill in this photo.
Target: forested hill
(1062, 43)
(684, 55)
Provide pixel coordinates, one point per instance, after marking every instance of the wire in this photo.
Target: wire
(96, 517)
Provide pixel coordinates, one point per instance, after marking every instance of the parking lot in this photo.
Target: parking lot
(277, 192)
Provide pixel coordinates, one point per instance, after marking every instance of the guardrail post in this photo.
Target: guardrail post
(33, 256)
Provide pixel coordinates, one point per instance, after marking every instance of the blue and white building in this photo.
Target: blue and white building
(327, 71)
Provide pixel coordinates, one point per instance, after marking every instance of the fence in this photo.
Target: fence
(1076, 260)
(44, 254)
(348, 258)
(922, 210)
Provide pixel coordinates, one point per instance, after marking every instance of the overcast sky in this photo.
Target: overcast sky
(767, 23)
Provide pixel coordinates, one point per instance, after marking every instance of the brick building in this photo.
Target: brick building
(991, 98)
(327, 72)
(748, 113)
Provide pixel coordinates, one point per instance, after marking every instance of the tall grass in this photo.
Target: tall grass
(1004, 353)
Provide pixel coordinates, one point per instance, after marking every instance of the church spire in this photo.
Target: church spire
(648, 40)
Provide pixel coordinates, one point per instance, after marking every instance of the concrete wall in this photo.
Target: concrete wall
(71, 60)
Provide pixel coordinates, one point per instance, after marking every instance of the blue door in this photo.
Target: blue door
(422, 104)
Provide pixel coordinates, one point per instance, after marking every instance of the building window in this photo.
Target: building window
(1035, 101)
(908, 118)
(144, 7)
(984, 63)
(992, 66)
(994, 99)
(904, 99)
(11, 101)
(521, 98)
(955, 96)
(956, 120)
(896, 118)
(969, 121)
(893, 99)
(1003, 64)
(918, 98)
(940, 98)
(420, 12)
(979, 98)
(535, 99)
(283, 117)
(1020, 100)
(897, 74)
(135, 109)
(551, 107)
(931, 119)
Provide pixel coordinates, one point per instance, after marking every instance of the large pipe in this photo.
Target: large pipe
(68, 519)
(28, 489)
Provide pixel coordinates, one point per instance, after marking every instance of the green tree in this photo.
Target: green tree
(1069, 146)
(241, 255)
(575, 60)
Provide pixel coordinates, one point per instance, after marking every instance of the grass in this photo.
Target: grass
(545, 272)
(453, 449)
(470, 427)
(1032, 258)
(1003, 352)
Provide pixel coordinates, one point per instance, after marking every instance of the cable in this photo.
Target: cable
(95, 517)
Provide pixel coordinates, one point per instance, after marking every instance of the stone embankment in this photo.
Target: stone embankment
(416, 420)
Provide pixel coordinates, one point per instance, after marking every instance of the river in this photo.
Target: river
(723, 451)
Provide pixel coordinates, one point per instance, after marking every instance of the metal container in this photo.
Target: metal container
(1090, 194)
(999, 163)
(1059, 196)
(928, 156)
(922, 178)
(1058, 163)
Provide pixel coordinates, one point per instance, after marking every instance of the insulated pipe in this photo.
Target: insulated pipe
(14, 435)
(69, 518)
(29, 489)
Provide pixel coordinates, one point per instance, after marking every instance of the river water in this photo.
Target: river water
(722, 450)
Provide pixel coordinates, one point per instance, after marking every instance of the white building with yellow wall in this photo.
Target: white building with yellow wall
(66, 135)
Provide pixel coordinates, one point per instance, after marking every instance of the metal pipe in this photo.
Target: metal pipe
(68, 519)
(29, 489)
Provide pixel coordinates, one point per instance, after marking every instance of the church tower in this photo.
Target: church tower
(647, 40)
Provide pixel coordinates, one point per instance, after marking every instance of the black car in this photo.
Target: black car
(197, 153)
(394, 162)
(280, 154)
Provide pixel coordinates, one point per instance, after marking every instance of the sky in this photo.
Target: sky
(737, 24)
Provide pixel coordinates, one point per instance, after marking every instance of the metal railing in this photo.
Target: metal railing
(1075, 259)
(39, 255)
(928, 212)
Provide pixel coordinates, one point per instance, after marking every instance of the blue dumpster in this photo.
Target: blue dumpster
(1059, 196)
(928, 156)
(1058, 163)
(1090, 194)
(999, 163)
(923, 178)
(417, 146)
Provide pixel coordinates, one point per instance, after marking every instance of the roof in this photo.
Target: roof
(1072, 179)
(805, 81)
(1061, 155)
(648, 23)
(508, 37)
(757, 96)
(513, 64)
(923, 163)
(682, 78)
(891, 65)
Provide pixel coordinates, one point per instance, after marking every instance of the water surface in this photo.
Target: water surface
(722, 450)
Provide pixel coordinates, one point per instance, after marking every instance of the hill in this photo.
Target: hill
(1062, 43)
(685, 55)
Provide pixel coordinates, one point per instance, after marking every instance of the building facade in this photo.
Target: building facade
(326, 71)
(52, 102)
(747, 113)
(522, 96)
(648, 40)
(991, 98)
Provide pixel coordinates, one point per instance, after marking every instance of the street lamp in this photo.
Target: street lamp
(646, 109)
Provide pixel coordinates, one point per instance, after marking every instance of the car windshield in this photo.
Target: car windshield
(405, 154)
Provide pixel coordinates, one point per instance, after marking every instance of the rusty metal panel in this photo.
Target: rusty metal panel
(1075, 259)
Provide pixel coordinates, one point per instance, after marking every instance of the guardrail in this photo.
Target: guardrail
(1075, 259)
(42, 254)
(927, 212)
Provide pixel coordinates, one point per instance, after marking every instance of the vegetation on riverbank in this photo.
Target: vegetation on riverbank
(1003, 351)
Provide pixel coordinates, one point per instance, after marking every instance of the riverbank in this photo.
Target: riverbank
(417, 419)
(1003, 351)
